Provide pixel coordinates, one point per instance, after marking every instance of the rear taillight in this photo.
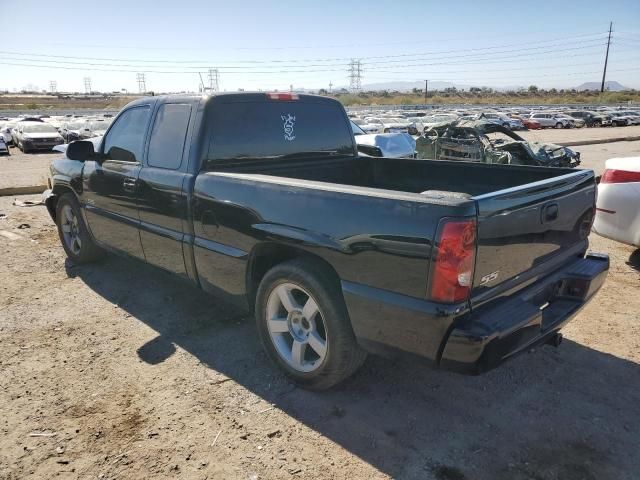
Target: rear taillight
(282, 96)
(452, 271)
(619, 176)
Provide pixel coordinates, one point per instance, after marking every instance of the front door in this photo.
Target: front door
(111, 185)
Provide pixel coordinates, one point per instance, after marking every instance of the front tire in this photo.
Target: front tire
(559, 125)
(304, 326)
(73, 233)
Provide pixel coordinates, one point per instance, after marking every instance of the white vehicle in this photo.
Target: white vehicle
(396, 125)
(368, 127)
(618, 204)
(5, 134)
(389, 145)
(93, 128)
(634, 117)
(550, 120)
(36, 136)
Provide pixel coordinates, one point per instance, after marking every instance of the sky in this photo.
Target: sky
(309, 44)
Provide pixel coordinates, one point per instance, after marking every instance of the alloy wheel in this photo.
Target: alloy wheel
(296, 327)
(70, 229)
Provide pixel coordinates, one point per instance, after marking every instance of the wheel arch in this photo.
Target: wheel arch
(266, 255)
(51, 201)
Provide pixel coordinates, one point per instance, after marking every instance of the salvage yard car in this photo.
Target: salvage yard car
(488, 142)
(263, 199)
(36, 136)
(618, 204)
(550, 120)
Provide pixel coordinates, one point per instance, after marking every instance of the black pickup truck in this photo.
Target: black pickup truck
(262, 198)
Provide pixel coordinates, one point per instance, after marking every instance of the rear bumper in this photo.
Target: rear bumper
(496, 333)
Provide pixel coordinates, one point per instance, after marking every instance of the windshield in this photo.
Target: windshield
(74, 126)
(44, 128)
(98, 125)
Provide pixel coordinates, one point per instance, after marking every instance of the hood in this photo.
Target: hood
(63, 148)
(41, 135)
(550, 153)
(392, 145)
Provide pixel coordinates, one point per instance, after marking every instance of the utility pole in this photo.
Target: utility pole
(426, 85)
(87, 85)
(606, 58)
(330, 85)
(142, 84)
(53, 86)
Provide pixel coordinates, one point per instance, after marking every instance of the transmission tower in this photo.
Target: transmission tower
(87, 85)
(355, 76)
(142, 85)
(214, 80)
(53, 86)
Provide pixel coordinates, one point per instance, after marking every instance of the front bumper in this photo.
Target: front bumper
(493, 334)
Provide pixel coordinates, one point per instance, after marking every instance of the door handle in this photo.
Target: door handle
(550, 212)
(129, 184)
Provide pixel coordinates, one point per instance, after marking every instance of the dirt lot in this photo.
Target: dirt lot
(129, 373)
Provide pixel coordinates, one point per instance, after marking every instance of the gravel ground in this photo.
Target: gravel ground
(118, 370)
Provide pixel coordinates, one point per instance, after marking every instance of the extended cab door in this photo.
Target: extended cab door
(162, 202)
(110, 186)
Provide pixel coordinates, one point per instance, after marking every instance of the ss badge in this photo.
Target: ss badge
(489, 277)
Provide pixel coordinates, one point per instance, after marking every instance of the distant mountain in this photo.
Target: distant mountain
(611, 86)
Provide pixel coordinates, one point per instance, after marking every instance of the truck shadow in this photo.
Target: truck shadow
(634, 260)
(567, 413)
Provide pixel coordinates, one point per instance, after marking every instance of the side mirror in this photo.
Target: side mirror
(81, 150)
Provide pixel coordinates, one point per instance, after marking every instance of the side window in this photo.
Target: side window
(125, 140)
(168, 135)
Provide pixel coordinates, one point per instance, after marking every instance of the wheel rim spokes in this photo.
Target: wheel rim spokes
(70, 230)
(296, 327)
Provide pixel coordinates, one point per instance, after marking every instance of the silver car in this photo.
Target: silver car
(37, 136)
(550, 120)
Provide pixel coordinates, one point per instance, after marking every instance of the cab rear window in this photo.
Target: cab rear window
(265, 130)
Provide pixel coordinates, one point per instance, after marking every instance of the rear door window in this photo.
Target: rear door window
(244, 131)
(168, 135)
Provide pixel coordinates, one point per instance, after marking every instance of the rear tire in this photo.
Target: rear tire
(73, 233)
(308, 335)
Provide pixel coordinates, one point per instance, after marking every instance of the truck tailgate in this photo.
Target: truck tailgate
(527, 231)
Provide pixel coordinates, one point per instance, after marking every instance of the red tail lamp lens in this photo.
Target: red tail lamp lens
(453, 271)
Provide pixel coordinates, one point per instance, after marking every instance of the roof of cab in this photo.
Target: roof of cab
(234, 96)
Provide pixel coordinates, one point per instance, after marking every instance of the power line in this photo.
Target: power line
(550, 43)
(297, 69)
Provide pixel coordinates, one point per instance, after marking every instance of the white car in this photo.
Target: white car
(618, 204)
(368, 127)
(5, 134)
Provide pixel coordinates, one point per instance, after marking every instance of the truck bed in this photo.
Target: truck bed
(407, 175)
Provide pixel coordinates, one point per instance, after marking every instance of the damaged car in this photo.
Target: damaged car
(487, 142)
(390, 145)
